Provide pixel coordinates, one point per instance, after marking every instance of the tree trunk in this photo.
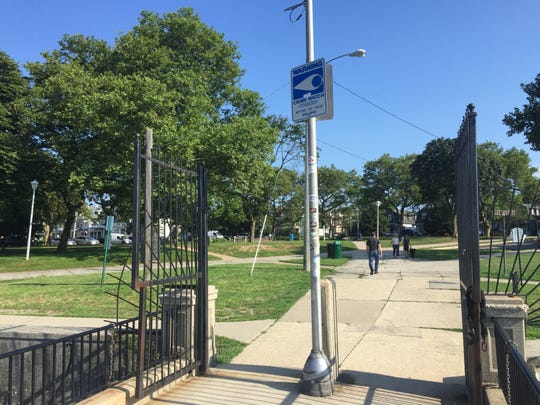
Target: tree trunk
(70, 220)
(252, 232)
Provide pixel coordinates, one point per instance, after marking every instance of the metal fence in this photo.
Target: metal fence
(468, 246)
(169, 267)
(516, 380)
(68, 369)
(169, 270)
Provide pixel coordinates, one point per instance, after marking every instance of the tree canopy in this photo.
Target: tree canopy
(171, 73)
(433, 171)
(389, 180)
(526, 121)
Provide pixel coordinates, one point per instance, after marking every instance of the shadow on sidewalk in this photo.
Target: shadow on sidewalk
(411, 391)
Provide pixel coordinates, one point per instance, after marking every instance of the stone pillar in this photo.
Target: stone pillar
(329, 325)
(212, 297)
(511, 313)
(179, 323)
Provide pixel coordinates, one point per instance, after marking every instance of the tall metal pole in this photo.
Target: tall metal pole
(378, 205)
(34, 185)
(357, 225)
(317, 374)
(307, 260)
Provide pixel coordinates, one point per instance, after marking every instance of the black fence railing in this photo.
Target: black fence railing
(466, 177)
(68, 369)
(516, 380)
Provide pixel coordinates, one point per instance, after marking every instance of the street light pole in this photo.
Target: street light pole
(378, 205)
(317, 374)
(357, 225)
(34, 185)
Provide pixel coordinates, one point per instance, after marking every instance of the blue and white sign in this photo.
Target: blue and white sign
(308, 90)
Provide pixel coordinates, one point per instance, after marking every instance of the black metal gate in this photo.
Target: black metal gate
(169, 267)
(469, 255)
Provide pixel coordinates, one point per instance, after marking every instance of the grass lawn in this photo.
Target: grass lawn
(268, 294)
(267, 248)
(46, 258)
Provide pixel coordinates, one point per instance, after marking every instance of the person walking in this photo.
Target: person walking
(374, 252)
(406, 245)
(395, 246)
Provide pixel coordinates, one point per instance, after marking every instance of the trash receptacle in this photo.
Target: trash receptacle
(337, 250)
(330, 250)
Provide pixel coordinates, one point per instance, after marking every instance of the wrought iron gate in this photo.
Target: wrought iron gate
(169, 267)
(469, 255)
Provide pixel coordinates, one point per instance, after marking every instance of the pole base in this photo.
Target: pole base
(317, 376)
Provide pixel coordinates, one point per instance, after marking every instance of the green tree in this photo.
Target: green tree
(15, 161)
(389, 180)
(527, 120)
(490, 182)
(433, 171)
(288, 202)
(333, 196)
(171, 73)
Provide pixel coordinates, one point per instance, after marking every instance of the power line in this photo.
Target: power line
(342, 150)
(386, 111)
(370, 103)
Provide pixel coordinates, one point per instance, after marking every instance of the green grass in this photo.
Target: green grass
(268, 294)
(436, 254)
(46, 258)
(324, 262)
(268, 248)
(66, 296)
(227, 349)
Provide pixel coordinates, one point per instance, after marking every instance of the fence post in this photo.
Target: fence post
(510, 312)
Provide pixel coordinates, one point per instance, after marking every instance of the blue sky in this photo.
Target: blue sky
(426, 60)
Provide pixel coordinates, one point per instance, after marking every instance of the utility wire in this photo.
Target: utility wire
(370, 103)
(319, 140)
(385, 110)
(291, 11)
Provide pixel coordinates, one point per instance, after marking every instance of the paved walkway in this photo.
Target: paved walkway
(397, 334)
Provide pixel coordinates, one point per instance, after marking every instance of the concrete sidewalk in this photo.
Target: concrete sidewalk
(399, 343)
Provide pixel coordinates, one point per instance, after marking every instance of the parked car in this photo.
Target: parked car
(411, 232)
(86, 240)
(56, 241)
(119, 239)
(15, 240)
(215, 235)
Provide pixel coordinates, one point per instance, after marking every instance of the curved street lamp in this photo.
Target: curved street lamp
(34, 184)
(307, 265)
(359, 53)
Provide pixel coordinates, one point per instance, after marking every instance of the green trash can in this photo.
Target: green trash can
(330, 250)
(337, 250)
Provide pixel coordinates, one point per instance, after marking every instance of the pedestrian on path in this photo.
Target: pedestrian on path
(395, 246)
(374, 252)
(406, 245)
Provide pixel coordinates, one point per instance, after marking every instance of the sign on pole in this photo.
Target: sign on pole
(308, 90)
